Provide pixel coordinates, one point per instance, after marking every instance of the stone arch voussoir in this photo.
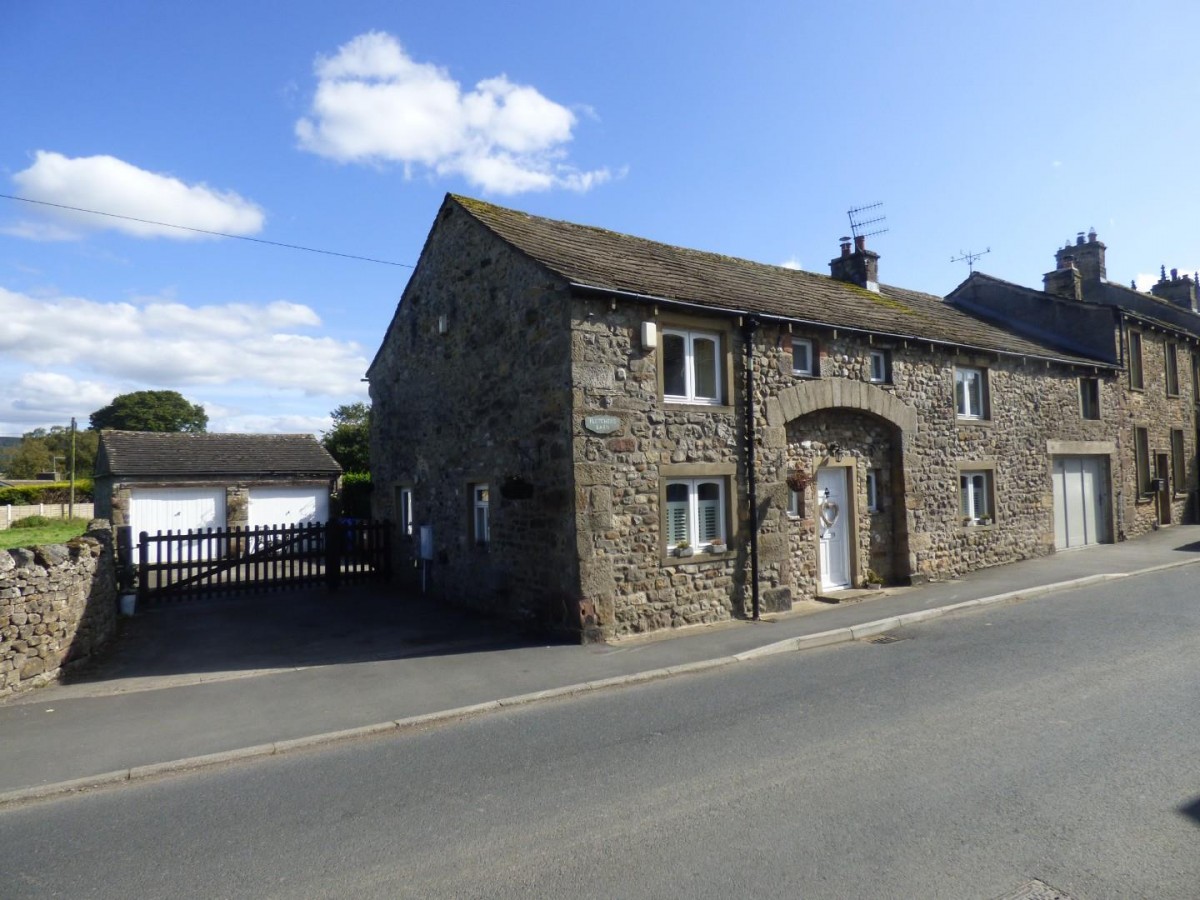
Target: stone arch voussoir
(839, 393)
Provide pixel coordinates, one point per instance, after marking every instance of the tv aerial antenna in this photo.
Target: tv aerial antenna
(858, 224)
(970, 258)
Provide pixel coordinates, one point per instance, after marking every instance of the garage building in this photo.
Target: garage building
(179, 481)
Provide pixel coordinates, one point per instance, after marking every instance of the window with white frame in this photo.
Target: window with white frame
(872, 490)
(881, 368)
(695, 511)
(975, 497)
(803, 357)
(970, 392)
(691, 366)
(404, 509)
(480, 527)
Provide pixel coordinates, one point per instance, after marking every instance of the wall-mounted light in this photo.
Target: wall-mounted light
(649, 335)
(835, 449)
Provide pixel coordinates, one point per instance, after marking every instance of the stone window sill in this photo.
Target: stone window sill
(981, 423)
(676, 406)
(671, 559)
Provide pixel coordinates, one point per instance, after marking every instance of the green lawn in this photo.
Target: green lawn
(58, 533)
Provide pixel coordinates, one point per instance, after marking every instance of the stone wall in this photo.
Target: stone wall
(1152, 408)
(58, 605)
(906, 429)
(472, 386)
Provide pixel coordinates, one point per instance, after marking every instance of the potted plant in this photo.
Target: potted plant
(683, 548)
(716, 545)
(872, 581)
(799, 480)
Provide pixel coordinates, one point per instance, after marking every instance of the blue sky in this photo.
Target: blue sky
(744, 129)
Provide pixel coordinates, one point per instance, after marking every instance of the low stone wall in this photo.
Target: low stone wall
(58, 605)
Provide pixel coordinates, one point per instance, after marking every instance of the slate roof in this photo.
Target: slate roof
(1153, 309)
(174, 454)
(607, 260)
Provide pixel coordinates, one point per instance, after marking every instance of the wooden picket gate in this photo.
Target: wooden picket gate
(175, 565)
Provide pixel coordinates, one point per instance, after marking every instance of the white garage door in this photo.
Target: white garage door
(1080, 507)
(288, 505)
(177, 509)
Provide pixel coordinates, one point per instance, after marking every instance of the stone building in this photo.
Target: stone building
(1154, 338)
(607, 435)
(179, 481)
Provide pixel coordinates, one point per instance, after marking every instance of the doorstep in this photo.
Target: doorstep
(850, 595)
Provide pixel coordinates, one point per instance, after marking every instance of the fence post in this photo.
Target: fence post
(143, 573)
(124, 558)
(387, 550)
(333, 554)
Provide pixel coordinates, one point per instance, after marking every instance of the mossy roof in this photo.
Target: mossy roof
(611, 261)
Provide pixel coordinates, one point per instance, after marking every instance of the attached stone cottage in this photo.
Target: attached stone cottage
(601, 433)
(1155, 339)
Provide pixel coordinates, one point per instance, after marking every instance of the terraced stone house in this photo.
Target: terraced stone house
(608, 435)
(1147, 465)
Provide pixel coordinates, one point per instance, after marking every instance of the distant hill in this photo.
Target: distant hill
(9, 441)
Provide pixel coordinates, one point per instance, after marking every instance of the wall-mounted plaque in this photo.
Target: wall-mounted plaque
(602, 424)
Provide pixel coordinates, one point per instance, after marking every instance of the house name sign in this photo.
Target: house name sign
(602, 424)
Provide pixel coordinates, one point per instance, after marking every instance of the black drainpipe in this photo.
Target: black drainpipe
(749, 325)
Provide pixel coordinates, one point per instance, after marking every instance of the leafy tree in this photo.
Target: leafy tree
(151, 411)
(349, 440)
(35, 454)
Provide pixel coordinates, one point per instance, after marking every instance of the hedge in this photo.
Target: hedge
(50, 492)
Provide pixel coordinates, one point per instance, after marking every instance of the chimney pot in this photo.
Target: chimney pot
(860, 243)
(1079, 238)
(1092, 236)
(845, 243)
(1174, 274)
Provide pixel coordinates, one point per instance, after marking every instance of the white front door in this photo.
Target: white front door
(833, 528)
(1080, 511)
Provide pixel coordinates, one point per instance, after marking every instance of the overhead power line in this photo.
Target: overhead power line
(239, 237)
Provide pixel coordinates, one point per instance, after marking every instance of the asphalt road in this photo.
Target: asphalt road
(1057, 739)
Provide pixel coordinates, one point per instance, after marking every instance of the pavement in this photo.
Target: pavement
(210, 682)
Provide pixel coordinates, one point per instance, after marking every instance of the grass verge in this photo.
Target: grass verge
(58, 533)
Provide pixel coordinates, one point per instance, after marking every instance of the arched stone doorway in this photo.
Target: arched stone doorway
(850, 436)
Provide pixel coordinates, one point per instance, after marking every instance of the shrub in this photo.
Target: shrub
(355, 495)
(50, 492)
(33, 522)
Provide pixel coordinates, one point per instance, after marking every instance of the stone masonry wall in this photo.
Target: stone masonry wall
(472, 386)
(1159, 413)
(58, 605)
(637, 585)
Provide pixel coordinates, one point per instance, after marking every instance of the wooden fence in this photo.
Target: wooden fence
(174, 565)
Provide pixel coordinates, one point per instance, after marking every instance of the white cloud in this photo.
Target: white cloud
(51, 368)
(374, 104)
(107, 184)
(792, 263)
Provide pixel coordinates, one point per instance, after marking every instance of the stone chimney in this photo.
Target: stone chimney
(1065, 281)
(859, 267)
(1088, 256)
(1177, 290)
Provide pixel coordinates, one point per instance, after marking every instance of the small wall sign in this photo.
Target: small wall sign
(602, 424)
